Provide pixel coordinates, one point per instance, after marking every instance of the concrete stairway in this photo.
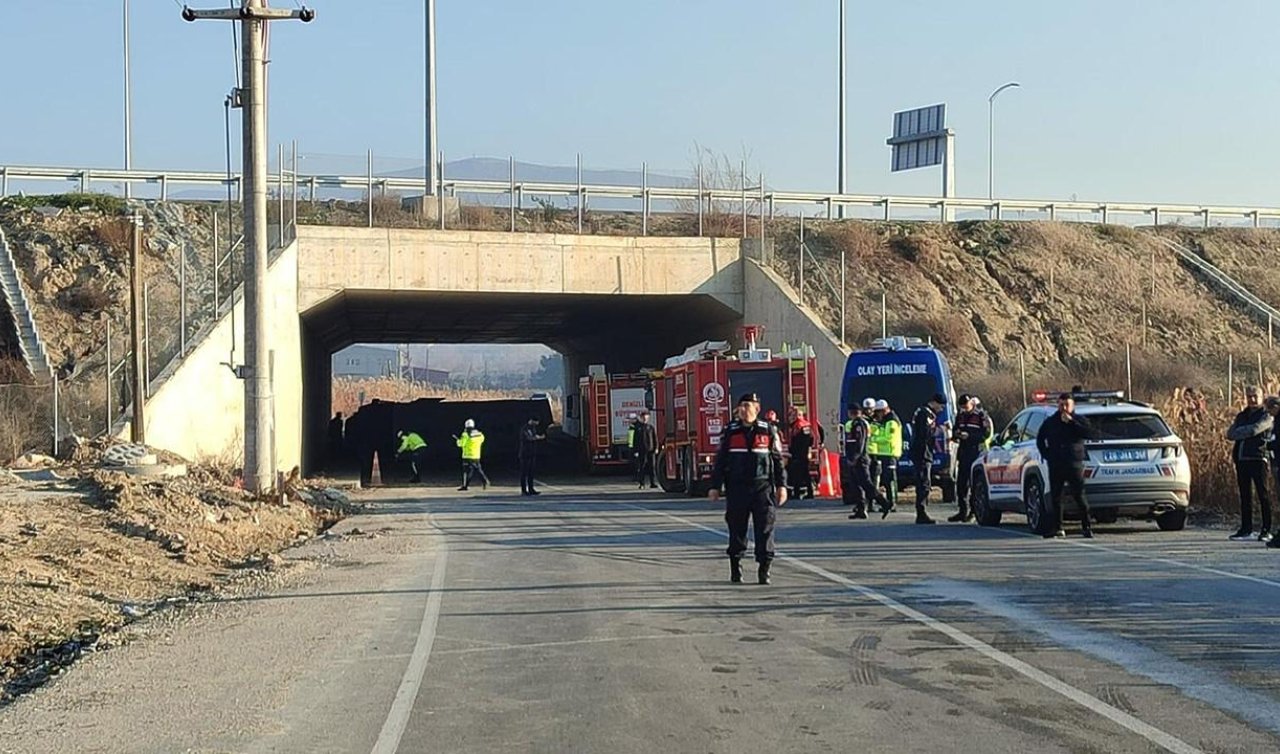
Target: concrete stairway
(24, 324)
(1243, 297)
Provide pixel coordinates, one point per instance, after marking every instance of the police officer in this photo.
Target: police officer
(528, 456)
(923, 438)
(1061, 445)
(973, 432)
(886, 450)
(414, 449)
(749, 466)
(470, 443)
(857, 436)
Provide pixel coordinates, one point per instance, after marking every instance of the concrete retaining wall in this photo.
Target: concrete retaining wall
(772, 302)
(198, 412)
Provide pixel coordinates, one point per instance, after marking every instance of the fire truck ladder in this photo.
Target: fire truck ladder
(798, 377)
(600, 397)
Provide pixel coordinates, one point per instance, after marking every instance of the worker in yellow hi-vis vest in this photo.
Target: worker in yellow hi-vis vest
(471, 442)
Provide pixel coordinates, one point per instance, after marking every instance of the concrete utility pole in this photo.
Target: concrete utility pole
(254, 15)
(431, 102)
(128, 105)
(138, 427)
(843, 158)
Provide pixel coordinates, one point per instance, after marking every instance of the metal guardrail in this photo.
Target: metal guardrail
(1104, 212)
(1266, 312)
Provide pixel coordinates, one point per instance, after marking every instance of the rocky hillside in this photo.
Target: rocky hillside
(1065, 295)
(72, 253)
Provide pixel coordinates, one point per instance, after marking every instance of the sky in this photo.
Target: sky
(1121, 100)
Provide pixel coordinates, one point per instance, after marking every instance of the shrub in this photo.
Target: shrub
(86, 298)
(917, 249)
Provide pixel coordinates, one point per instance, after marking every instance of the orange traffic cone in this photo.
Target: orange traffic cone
(825, 486)
(375, 477)
(833, 465)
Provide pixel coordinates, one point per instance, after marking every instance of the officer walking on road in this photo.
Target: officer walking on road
(749, 466)
(1249, 432)
(857, 438)
(973, 431)
(471, 442)
(1061, 445)
(529, 439)
(923, 430)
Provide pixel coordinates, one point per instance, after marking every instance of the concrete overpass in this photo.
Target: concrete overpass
(627, 302)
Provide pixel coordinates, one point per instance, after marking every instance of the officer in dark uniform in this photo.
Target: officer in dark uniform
(924, 426)
(749, 466)
(973, 431)
(857, 434)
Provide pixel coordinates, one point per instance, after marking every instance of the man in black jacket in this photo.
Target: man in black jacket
(1249, 432)
(924, 427)
(528, 456)
(857, 434)
(1061, 445)
(749, 466)
(646, 449)
(1272, 405)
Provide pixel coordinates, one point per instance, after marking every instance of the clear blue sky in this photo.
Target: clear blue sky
(1121, 100)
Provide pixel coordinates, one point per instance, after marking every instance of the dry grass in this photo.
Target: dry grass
(24, 420)
(347, 393)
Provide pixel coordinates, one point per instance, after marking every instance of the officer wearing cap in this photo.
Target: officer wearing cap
(749, 466)
(923, 429)
(973, 432)
(857, 458)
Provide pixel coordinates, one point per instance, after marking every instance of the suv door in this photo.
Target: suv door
(1001, 479)
(1025, 456)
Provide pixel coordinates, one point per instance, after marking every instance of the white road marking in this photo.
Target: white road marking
(1093, 704)
(398, 716)
(1141, 556)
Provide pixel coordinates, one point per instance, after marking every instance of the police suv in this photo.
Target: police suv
(1135, 467)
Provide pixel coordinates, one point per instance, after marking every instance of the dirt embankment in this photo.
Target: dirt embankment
(1064, 295)
(81, 556)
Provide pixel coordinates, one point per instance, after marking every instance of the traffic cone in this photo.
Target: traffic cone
(825, 486)
(833, 465)
(375, 477)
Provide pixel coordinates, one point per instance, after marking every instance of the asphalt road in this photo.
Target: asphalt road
(599, 619)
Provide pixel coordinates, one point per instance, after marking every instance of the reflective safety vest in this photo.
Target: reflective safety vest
(886, 437)
(631, 436)
(410, 442)
(470, 443)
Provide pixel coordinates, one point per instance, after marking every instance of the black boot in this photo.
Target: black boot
(762, 574)
(735, 570)
(961, 516)
(921, 516)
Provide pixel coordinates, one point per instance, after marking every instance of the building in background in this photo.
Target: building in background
(383, 361)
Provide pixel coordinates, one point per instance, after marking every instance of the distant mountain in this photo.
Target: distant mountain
(496, 169)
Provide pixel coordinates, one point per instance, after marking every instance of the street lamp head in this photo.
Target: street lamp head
(1010, 85)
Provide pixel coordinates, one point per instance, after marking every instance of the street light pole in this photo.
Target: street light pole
(991, 136)
(843, 176)
(431, 101)
(128, 105)
(254, 16)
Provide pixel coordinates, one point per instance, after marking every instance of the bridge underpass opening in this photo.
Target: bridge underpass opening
(623, 332)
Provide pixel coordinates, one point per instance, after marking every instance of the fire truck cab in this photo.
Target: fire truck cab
(608, 402)
(694, 400)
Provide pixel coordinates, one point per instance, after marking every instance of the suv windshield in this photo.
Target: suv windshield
(1129, 426)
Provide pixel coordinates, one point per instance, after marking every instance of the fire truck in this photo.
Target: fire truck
(694, 400)
(608, 401)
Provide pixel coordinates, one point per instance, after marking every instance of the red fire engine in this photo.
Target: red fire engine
(695, 395)
(608, 403)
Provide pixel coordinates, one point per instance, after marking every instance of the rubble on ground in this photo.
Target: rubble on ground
(93, 548)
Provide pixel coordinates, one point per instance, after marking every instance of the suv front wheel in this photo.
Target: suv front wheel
(1038, 513)
(980, 496)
